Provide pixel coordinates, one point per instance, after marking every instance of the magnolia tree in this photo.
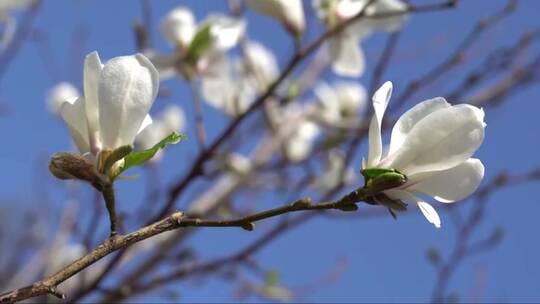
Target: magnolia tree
(267, 131)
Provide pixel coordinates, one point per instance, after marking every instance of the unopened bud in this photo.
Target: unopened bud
(65, 165)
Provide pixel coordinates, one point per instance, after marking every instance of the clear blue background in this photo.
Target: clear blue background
(385, 259)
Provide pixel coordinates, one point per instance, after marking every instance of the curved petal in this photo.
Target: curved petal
(178, 27)
(346, 55)
(289, 12)
(226, 31)
(92, 71)
(453, 184)
(430, 213)
(74, 114)
(59, 94)
(127, 88)
(408, 120)
(390, 23)
(380, 102)
(427, 210)
(440, 141)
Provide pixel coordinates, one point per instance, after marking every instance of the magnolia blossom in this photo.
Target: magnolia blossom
(289, 12)
(431, 144)
(179, 28)
(344, 48)
(341, 101)
(298, 146)
(60, 93)
(115, 105)
(171, 119)
(233, 86)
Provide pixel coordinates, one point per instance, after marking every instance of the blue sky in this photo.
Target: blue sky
(385, 259)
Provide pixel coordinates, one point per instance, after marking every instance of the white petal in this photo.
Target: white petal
(173, 118)
(450, 185)
(390, 23)
(346, 55)
(146, 122)
(92, 72)
(380, 102)
(290, 12)
(178, 27)
(164, 63)
(127, 88)
(351, 96)
(429, 212)
(262, 61)
(74, 115)
(225, 31)
(407, 121)
(59, 94)
(440, 141)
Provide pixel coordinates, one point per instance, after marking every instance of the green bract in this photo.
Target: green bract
(380, 179)
(199, 45)
(139, 158)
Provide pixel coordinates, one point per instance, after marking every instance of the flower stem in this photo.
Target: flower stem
(108, 196)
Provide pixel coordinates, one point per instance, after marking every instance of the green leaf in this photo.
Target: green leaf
(371, 173)
(139, 158)
(199, 45)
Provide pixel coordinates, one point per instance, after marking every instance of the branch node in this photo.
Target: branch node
(177, 216)
(302, 203)
(248, 226)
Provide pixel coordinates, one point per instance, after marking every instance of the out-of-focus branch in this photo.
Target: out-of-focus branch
(457, 56)
(463, 247)
(174, 221)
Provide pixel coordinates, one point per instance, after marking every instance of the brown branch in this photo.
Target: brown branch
(457, 56)
(175, 221)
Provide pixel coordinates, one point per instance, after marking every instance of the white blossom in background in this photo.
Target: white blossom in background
(344, 48)
(334, 173)
(299, 145)
(238, 163)
(60, 93)
(115, 105)
(234, 85)
(340, 101)
(289, 12)
(171, 119)
(179, 27)
(431, 144)
(6, 6)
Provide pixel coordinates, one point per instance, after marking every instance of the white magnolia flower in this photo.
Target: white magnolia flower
(238, 163)
(117, 98)
(431, 144)
(232, 86)
(341, 101)
(171, 119)
(7, 5)
(344, 48)
(289, 12)
(179, 28)
(59, 94)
